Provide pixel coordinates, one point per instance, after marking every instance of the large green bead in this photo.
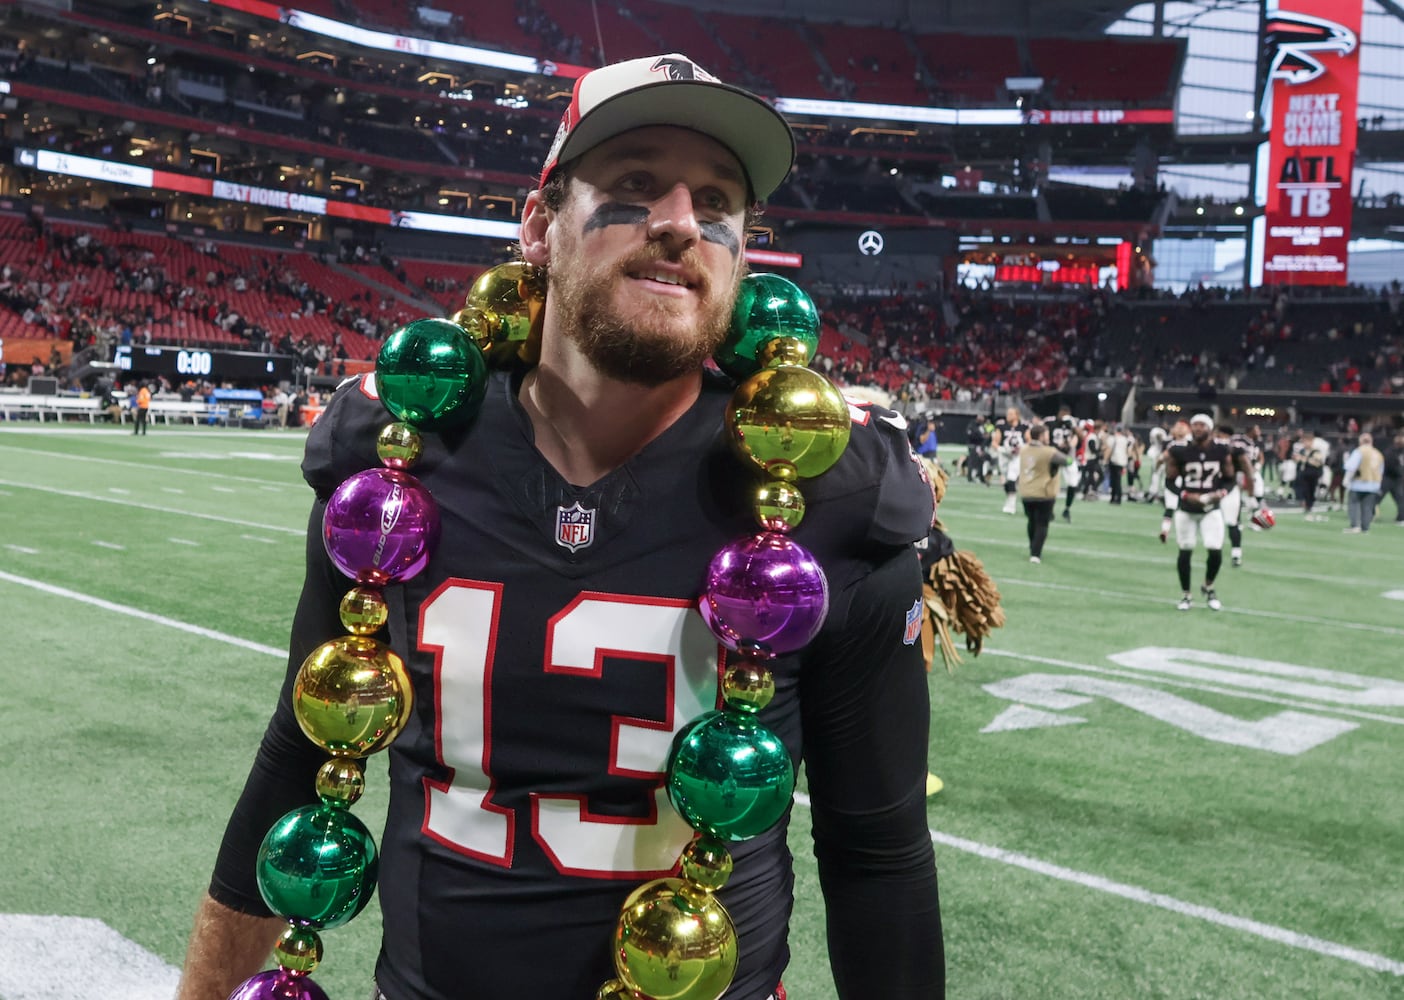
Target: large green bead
(730, 776)
(317, 866)
(431, 375)
(767, 306)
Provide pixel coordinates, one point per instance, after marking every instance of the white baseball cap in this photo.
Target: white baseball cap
(1202, 418)
(673, 90)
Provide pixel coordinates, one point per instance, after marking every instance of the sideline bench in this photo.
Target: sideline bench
(19, 406)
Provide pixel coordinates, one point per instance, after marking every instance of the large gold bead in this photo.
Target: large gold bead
(500, 309)
(352, 696)
(789, 421)
(672, 944)
(615, 990)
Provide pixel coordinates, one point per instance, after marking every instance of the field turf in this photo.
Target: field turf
(1139, 802)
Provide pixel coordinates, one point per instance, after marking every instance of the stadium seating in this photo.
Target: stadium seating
(1105, 70)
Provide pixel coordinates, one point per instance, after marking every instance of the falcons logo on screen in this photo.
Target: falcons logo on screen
(1293, 40)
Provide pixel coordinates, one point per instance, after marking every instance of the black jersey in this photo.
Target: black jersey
(1202, 469)
(1245, 446)
(1012, 436)
(1063, 433)
(555, 648)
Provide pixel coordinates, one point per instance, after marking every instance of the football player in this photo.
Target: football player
(1247, 488)
(1067, 436)
(1009, 435)
(553, 638)
(1312, 452)
(1179, 434)
(1198, 475)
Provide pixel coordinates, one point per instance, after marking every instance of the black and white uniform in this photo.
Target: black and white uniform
(1202, 469)
(1062, 432)
(1011, 439)
(552, 668)
(1246, 452)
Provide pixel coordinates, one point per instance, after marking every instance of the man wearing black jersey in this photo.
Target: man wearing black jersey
(1008, 439)
(1247, 489)
(552, 669)
(1067, 436)
(1198, 475)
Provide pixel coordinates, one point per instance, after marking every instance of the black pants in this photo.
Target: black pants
(1308, 479)
(1117, 471)
(141, 421)
(1039, 514)
(1394, 488)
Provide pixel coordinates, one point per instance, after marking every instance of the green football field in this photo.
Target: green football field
(1139, 802)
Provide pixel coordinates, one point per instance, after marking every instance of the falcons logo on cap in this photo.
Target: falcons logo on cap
(681, 69)
(1293, 39)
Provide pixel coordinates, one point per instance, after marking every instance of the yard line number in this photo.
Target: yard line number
(1289, 732)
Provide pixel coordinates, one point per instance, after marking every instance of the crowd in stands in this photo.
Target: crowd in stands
(1309, 340)
(921, 347)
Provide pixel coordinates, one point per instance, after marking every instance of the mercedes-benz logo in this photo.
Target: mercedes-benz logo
(870, 243)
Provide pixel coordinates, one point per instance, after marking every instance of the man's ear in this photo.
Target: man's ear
(536, 222)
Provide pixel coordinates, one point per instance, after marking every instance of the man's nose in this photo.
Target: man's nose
(673, 218)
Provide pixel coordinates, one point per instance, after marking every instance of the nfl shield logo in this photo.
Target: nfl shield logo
(913, 630)
(575, 526)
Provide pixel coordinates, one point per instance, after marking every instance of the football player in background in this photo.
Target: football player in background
(1198, 475)
(1157, 441)
(1009, 435)
(1179, 434)
(1067, 436)
(1247, 488)
(1312, 452)
(526, 791)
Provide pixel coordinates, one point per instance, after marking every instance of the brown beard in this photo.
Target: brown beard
(648, 352)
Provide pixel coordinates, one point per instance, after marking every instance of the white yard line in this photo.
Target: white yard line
(1164, 601)
(146, 616)
(146, 468)
(1279, 935)
(152, 507)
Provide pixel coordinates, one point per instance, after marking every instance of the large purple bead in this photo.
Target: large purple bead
(277, 984)
(380, 526)
(767, 590)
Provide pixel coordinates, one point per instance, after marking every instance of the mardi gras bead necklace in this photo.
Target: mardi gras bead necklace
(764, 595)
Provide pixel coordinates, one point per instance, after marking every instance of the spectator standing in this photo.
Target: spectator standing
(1039, 482)
(1117, 453)
(1364, 474)
(1393, 481)
(143, 409)
(928, 441)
